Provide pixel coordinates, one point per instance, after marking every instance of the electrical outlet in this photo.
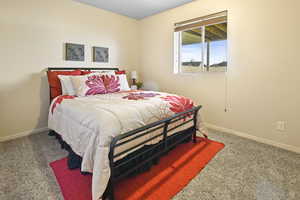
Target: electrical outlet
(280, 125)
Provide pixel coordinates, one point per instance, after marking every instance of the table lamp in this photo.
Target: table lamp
(134, 77)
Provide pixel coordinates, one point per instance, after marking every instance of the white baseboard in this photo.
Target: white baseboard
(22, 134)
(208, 125)
(255, 138)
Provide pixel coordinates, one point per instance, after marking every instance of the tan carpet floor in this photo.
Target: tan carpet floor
(243, 170)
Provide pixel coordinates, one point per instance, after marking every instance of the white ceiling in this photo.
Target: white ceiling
(137, 9)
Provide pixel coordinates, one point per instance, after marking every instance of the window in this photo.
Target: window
(201, 44)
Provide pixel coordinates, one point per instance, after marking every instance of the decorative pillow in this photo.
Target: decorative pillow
(95, 83)
(89, 84)
(66, 85)
(121, 72)
(111, 83)
(54, 83)
(85, 72)
(124, 86)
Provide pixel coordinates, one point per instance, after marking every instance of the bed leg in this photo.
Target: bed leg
(109, 193)
(195, 126)
(195, 136)
(51, 133)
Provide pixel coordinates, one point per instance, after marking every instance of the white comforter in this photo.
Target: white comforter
(88, 124)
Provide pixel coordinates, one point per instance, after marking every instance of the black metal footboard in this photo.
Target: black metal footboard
(160, 148)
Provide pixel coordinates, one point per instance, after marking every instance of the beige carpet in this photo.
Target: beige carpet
(243, 170)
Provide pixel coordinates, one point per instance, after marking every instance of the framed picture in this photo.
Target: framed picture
(100, 54)
(74, 52)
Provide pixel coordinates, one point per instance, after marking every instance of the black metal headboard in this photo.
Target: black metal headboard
(81, 68)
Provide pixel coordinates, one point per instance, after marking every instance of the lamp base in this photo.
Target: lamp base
(134, 87)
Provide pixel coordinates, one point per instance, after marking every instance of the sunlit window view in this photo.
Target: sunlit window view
(204, 48)
(191, 50)
(215, 47)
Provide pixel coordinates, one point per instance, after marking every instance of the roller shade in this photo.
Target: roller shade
(216, 18)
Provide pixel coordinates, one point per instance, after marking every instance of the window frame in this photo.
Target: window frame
(177, 39)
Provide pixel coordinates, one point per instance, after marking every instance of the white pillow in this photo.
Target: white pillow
(123, 82)
(66, 85)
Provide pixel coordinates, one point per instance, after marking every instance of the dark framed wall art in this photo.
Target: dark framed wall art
(100, 54)
(74, 52)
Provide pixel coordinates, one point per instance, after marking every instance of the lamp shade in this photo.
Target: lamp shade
(134, 75)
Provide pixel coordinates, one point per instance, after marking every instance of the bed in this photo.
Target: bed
(120, 134)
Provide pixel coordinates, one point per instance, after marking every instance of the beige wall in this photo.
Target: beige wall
(263, 78)
(32, 37)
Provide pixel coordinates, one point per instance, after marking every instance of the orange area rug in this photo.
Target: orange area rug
(163, 181)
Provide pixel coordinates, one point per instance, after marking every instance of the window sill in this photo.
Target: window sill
(198, 73)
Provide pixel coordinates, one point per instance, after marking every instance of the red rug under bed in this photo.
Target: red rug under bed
(163, 181)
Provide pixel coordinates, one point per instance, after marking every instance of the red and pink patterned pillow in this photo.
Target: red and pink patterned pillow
(95, 83)
(111, 83)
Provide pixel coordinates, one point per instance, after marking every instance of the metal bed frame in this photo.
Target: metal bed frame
(162, 147)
